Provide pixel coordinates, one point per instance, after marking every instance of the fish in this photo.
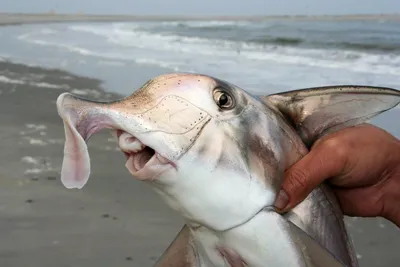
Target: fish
(216, 154)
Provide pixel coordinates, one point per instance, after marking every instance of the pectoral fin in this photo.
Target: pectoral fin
(317, 111)
(314, 255)
(180, 252)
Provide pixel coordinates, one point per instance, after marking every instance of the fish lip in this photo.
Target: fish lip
(147, 171)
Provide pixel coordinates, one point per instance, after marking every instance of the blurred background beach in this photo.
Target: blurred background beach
(116, 220)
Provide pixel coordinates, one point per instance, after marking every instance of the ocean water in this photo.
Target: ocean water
(262, 57)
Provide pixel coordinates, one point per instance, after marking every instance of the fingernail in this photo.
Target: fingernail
(282, 200)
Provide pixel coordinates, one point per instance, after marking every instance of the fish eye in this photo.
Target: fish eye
(223, 99)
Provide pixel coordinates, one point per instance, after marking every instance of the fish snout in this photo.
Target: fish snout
(154, 130)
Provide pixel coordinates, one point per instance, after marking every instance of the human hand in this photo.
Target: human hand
(362, 163)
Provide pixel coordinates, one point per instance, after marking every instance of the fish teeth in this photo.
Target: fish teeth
(162, 159)
(128, 143)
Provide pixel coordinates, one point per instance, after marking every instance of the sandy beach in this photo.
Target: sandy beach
(115, 220)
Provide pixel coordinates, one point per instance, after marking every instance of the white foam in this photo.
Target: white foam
(38, 165)
(36, 127)
(79, 92)
(55, 141)
(111, 63)
(71, 48)
(8, 80)
(171, 65)
(253, 66)
(353, 61)
(66, 77)
(36, 142)
(30, 160)
(5, 79)
(213, 23)
(44, 31)
(204, 24)
(34, 171)
(85, 92)
(47, 31)
(49, 85)
(24, 36)
(35, 76)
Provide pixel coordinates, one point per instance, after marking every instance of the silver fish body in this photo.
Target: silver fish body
(217, 154)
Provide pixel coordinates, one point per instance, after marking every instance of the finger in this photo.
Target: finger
(361, 201)
(325, 160)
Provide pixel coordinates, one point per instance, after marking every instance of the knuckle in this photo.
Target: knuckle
(297, 180)
(337, 148)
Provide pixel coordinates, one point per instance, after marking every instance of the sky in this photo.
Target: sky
(204, 7)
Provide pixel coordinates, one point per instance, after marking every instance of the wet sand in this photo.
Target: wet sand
(115, 220)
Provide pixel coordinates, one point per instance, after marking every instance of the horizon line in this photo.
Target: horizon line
(81, 13)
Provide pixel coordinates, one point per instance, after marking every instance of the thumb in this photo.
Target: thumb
(321, 163)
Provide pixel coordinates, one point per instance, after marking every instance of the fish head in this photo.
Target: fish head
(196, 139)
(214, 152)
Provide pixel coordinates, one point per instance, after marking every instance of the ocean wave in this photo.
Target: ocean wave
(370, 46)
(306, 43)
(47, 31)
(164, 64)
(374, 39)
(204, 24)
(277, 40)
(72, 48)
(140, 43)
(111, 63)
(158, 46)
(5, 79)
(43, 31)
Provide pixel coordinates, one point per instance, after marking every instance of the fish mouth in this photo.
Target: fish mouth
(143, 162)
